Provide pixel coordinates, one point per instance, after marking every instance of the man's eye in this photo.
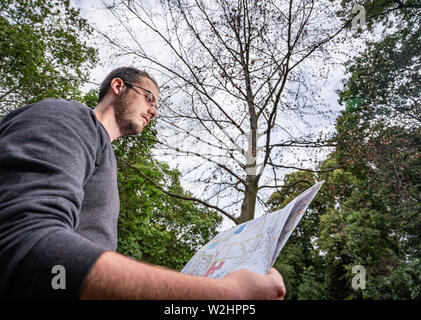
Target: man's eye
(148, 99)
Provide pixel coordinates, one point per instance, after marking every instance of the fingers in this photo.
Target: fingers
(269, 286)
(280, 282)
(273, 271)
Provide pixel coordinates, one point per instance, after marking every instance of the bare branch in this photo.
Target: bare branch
(178, 196)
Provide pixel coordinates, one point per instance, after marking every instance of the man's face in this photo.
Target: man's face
(131, 109)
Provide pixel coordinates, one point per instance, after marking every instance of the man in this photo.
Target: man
(59, 205)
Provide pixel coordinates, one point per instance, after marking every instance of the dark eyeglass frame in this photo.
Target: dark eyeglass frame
(152, 102)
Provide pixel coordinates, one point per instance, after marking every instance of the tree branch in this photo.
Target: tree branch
(178, 196)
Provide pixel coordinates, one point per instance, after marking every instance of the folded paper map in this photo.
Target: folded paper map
(254, 244)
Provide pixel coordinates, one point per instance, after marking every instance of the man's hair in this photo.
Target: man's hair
(128, 74)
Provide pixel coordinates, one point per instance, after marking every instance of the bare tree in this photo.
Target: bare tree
(238, 95)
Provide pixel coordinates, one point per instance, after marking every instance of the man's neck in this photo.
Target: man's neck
(105, 114)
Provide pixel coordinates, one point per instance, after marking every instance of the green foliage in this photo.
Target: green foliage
(371, 223)
(42, 53)
(312, 286)
(298, 261)
(90, 98)
(383, 12)
(386, 75)
(403, 282)
(154, 226)
(368, 211)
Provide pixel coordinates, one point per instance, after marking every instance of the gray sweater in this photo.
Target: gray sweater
(59, 200)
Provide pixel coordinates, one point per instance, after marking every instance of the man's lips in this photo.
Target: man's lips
(146, 118)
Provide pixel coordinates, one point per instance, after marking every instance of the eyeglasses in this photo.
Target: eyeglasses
(149, 100)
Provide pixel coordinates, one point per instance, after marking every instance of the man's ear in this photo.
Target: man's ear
(117, 86)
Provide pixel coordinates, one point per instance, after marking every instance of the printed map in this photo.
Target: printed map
(254, 244)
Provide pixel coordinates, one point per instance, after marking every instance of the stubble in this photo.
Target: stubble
(124, 115)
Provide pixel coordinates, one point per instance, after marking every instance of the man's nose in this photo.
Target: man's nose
(153, 112)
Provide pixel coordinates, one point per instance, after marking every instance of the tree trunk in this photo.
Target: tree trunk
(249, 203)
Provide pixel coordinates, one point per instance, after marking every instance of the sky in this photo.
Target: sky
(93, 11)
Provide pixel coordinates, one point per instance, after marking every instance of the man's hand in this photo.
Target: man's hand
(253, 286)
(115, 276)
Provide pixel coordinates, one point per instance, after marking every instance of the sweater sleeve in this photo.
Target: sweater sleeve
(47, 153)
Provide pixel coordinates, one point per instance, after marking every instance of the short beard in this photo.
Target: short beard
(123, 117)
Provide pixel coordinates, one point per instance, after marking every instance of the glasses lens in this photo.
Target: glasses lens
(150, 99)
